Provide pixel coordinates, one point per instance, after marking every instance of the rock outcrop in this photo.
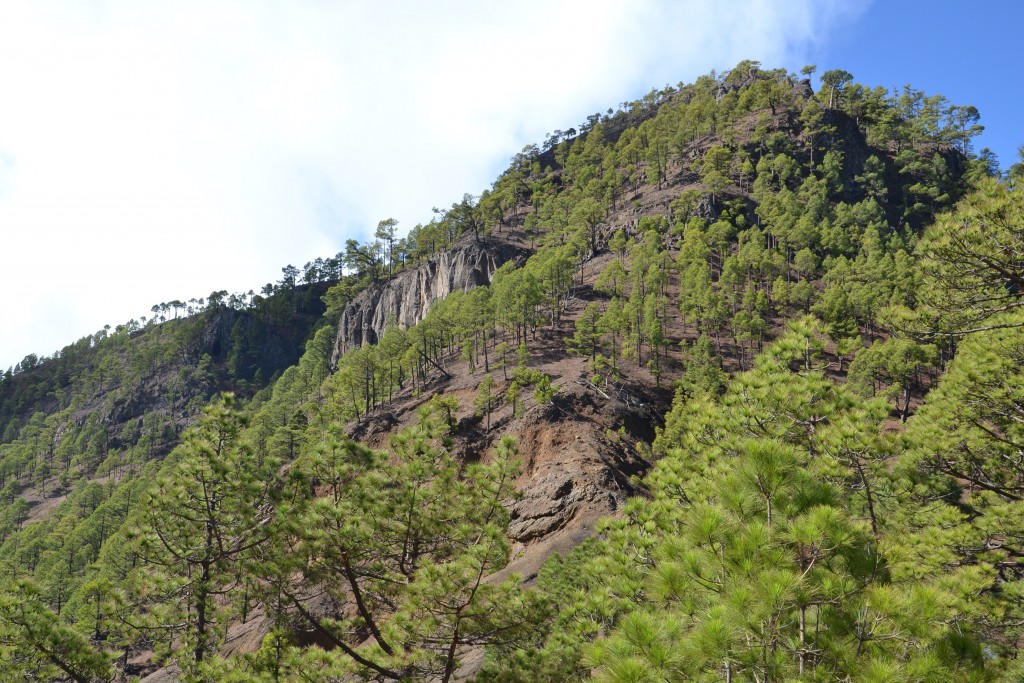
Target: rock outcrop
(575, 472)
(405, 298)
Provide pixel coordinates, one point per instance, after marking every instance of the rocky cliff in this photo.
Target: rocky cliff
(405, 298)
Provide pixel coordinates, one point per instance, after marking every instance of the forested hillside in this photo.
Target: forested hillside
(723, 384)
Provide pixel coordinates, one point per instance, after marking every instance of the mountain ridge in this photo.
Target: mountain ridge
(632, 305)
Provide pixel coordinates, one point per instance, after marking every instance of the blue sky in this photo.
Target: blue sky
(152, 151)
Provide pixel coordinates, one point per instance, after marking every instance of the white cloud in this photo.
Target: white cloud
(152, 151)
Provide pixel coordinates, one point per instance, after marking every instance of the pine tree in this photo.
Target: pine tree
(485, 400)
(587, 339)
(405, 539)
(201, 520)
(37, 645)
(968, 264)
